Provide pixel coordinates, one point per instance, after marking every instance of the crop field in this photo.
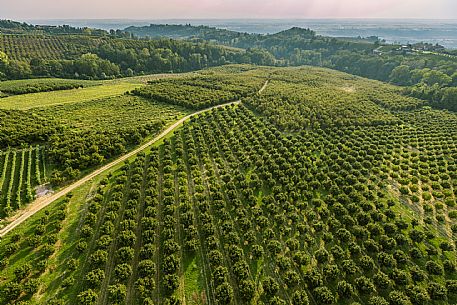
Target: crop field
(45, 99)
(233, 210)
(21, 171)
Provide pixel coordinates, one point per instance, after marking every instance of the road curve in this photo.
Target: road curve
(43, 202)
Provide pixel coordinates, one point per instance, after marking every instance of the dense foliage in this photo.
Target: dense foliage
(40, 85)
(23, 128)
(84, 56)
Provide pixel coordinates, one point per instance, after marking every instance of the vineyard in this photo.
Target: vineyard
(307, 193)
(21, 171)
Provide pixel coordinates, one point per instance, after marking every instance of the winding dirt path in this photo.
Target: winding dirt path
(43, 202)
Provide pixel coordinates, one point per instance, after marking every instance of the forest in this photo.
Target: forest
(323, 188)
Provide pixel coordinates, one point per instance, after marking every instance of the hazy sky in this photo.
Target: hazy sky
(190, 9)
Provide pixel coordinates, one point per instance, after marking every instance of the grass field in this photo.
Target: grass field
(45, 99)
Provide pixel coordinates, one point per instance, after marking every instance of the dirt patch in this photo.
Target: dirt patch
(43, 190)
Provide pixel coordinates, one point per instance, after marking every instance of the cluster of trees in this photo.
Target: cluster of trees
(88, 66)
(91, 57)
(39, 85)
(367, 254)
(14, 27)
(73, 152)
(21, 128)
(203, 91)
(41, 241)
(311, 207)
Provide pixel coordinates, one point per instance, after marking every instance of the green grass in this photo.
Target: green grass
(46, 99)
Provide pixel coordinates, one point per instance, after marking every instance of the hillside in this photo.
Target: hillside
(427, 74)
(65, 52)
(324, 188)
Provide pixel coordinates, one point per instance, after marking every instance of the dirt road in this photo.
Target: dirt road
(43, 202)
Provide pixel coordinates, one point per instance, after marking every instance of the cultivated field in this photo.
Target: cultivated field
(321, 189)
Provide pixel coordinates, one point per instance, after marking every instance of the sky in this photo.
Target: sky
(226, 9)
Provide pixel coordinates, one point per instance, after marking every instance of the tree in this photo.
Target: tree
(122, 272)
(449, 99)
(434, 268)
(454, 79)
(270, 287)
(11, 291)
(437, 292)
(364, 285)
(18, 69)
(95, 278)
(247, 290)
(398, 298)
(324, 295)
(299, 297)
(146, 268)
(3, 60)
(345, 290)
(224, 293)
(87, 297)
(3, 64)
(432, 77)
(117, 293)
(377, 300)
(401, 75)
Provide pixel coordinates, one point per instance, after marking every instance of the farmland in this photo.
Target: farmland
(21, 171)
(323, 189)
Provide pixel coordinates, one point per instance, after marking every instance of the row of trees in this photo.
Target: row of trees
(41, 241)
(89, 57)
(18, 177)
(311, 209)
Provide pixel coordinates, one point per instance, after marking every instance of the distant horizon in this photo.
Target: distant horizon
(235, 19)
(222, 9)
